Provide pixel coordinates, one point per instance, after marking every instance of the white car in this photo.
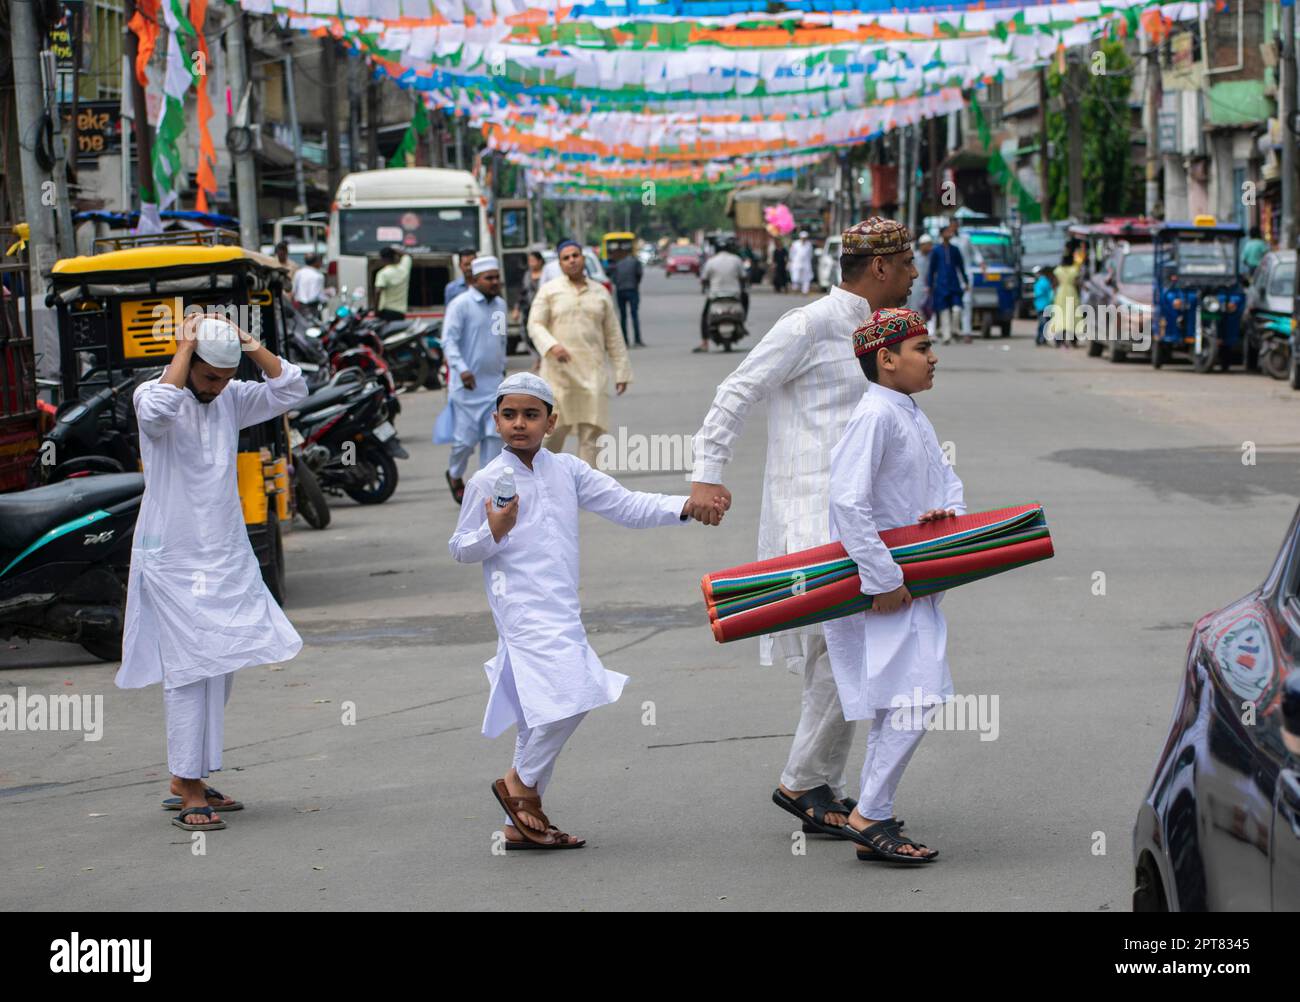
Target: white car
(828, 264)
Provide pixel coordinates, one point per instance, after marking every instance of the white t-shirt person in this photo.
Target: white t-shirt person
(308, 285)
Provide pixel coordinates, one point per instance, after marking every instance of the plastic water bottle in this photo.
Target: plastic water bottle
(503, 492)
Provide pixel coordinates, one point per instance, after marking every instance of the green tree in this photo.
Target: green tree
(1110, 186)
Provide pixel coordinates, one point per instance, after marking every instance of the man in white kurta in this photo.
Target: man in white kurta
(801, 262)
(545, 676)
(197, 609)
(889, 471)
(574, 327)
(805, 369)
(474, 344)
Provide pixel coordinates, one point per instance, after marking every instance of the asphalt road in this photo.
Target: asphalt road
(1142, 477)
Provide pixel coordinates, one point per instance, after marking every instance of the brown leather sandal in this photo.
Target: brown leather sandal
(552, 838)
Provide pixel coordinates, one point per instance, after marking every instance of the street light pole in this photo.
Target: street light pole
(1286, 111)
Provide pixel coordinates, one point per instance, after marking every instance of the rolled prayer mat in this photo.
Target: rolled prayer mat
(812, 586)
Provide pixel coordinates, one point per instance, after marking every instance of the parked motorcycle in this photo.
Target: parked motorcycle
(64, 554)
(343, 435)
(88, 436)
(725, 322)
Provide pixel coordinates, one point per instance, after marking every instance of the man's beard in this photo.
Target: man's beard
(203, 398)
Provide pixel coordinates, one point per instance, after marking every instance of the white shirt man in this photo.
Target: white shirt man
(308, 283)
(801, 262)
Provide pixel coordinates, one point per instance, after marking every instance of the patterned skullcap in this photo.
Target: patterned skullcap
(887, 328)
(875, 236)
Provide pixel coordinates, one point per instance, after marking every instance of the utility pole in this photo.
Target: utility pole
(1153, 129)
(372, 123)
(242, 152)
(1074, 125)
(1287, 109)
(67, 244)
(330, 67)
(1043, 159)
(901, 201)
(299, 182)
(39, 190)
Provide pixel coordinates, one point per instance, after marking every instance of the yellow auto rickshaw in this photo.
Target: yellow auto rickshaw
(614, 245)
(117, 310)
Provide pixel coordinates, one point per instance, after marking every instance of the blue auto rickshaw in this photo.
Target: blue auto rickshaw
(994, 272)
(1198, 297)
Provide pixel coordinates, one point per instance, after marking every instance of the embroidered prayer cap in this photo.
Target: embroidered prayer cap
(485, 263)
(887, 328)
(219, 343)
(875, 236)
(527, 383)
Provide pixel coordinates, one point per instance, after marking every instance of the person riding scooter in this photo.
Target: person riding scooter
(723, 277)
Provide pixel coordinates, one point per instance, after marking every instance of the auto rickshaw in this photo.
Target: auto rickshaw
(1198, 295)
(994, 271)
(1099, 241)
(116, 313)
(614, 245)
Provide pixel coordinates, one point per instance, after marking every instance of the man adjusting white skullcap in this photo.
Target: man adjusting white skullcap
(219, 343)
(482, 264)
(528, 383)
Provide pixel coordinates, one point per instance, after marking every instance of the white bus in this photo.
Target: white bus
(430, 212)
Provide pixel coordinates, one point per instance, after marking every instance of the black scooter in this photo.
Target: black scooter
(64, 554)
(342, 434)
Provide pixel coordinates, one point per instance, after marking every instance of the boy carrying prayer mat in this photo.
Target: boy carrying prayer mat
(520, 519)
(888, 471)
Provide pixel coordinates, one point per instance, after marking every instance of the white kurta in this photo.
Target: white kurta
(471, 343)
(886, 472)
(801, 261)
(806, 370)
(196, 606)
(532, 584)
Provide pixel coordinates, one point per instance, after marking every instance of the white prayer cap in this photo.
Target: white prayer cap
(926, 239)
(528, 383)
(482, 264)
(219, 344)
(803, 234)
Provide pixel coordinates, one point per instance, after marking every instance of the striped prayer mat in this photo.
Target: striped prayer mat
(799, 589)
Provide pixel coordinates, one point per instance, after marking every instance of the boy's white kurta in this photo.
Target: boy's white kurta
(887, 471)
(196, 606)
(532, 583)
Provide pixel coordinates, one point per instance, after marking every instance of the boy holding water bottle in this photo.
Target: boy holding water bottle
(520, 520)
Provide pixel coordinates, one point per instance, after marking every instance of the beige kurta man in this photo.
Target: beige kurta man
(583, 320)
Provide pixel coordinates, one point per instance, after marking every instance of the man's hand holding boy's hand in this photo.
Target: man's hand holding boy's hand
(501, 520)
(708, 503)
(937, 513)
(891, 601)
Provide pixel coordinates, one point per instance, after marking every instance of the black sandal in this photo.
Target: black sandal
(822, 802)
(882, 842)
(458, 493)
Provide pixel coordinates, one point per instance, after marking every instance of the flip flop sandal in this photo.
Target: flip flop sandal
(552, 838)
(180, 822)
(174, 803)
(822, 802)
(458, 493)
(560, 840)
(882, 843)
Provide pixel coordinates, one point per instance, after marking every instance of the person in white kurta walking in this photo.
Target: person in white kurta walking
(545, 677)
(196, 607)
(474, 343)
(801, 262)
(890, 663)
(805, 368)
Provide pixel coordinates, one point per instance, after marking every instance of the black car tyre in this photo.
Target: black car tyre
(382, 480)
(1205, 359)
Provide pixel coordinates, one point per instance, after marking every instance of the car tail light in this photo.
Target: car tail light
(332, 269)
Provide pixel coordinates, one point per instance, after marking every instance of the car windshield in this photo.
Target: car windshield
(1282, 281)
(686, 251)
(1205, 257)
(1045, 243)
(1137, 268)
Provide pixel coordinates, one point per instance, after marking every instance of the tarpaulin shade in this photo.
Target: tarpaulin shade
(812, 586)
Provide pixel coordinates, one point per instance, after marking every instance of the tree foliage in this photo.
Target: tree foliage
(1110, 185)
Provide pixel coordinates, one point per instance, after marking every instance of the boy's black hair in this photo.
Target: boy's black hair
(869, 367)
(501, 397)
(388, 254)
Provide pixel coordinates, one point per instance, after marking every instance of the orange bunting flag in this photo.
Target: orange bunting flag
(144, 22)
(206, 177)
